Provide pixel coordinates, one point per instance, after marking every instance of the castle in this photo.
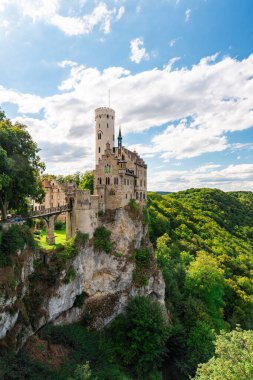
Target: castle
(119, 176)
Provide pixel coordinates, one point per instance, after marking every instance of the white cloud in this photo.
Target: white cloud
(232, 177)
(187, 15)
(120, 13)
(49, 12)
(138, 51)
(197, 107)
(172, 42)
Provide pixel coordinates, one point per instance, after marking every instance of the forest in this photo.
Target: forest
(204, 246)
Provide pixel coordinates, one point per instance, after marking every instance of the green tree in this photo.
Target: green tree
(140, 335)
(82, 372)
(233, 358)
(20, 167)
(86, 181)
(205, 280)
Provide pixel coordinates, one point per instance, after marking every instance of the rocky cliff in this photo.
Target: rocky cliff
(90, 284)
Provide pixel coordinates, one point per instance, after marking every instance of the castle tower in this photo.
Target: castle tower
(104, 118)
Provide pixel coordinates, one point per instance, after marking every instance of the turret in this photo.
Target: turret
(119, 141)
(104, 118)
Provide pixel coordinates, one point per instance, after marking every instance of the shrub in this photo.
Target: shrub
(70, 275)
(59, 225)
(135, 208)
(102, 239)
(12, 240)
(81, 239)
(140, 335)
(141, 258)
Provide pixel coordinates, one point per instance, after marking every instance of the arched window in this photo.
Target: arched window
(99, 136)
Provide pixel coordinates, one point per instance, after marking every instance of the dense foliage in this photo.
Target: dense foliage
(101, 239)
(233, 358)
(13, 239)
(131, 347)
(20, 167)
(204, 246)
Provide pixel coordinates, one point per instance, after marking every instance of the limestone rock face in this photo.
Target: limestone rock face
(102, 286)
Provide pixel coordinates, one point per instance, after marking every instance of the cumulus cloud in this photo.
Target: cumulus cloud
(232, 177)
(194, 107)
(49, 12)
(138, 51)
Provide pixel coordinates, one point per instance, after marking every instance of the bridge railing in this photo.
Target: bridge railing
(48, 211)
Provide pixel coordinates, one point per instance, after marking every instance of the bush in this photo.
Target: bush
(141, 258)
(81, 239)
(13, 239)
(102, 239)
(135, 208)
(70, 275)
(140, 335)
(59, 225)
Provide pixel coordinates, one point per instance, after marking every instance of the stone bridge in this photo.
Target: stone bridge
(50, 215)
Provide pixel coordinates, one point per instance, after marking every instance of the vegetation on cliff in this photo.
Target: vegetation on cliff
(204, 246)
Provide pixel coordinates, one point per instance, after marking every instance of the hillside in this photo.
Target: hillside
(204, 244)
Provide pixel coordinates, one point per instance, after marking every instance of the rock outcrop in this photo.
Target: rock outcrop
(93, 285)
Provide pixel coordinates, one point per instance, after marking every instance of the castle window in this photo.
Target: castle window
(140, 196)
(137, 195)
(107, 180)
(116, 180)
(107, 116)
(144, 196)
(107, 125)
(144, 183)
(126, 196)
(141, 182)
(99, 136)
(124, 181)
(128, 181)
(99, 150)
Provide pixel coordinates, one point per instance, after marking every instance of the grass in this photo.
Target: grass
(60, 240)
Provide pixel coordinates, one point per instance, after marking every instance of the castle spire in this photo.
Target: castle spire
(119, 139)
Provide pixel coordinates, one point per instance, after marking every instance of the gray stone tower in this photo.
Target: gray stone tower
(104, 118)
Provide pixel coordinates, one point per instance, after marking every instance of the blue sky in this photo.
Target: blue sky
(180, 73)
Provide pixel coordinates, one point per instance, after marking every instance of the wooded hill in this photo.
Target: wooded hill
(204, 245)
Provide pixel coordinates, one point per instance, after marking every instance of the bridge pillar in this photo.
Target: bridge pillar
(50, 238)
(69, 225)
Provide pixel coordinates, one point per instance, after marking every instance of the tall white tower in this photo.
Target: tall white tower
(104, 118)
